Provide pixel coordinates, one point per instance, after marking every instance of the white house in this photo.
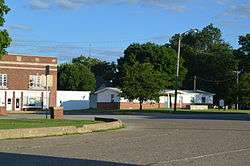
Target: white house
(110, 98)
(73, 100)
(185, 98)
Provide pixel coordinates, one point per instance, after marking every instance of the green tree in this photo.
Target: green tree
(207, 56)
(141, 81)
(104, 71)
(243, 56)
(243, 53)
(75, 77)
(245, 89)
(162, 58)
(4, 35)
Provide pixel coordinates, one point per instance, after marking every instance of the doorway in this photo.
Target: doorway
(17, 104)
(9, 104)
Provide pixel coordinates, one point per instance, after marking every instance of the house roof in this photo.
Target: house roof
(169, 91)
(108, 88)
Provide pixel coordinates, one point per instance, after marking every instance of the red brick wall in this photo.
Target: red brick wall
(108, 106)
(18, 72)
(183, 105)
(3, 111)
(28, 58)
(131, 105)
(56, 112)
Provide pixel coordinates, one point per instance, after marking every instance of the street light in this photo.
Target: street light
(178, 64)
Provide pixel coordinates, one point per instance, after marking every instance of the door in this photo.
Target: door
(17, 104)
(9, 104)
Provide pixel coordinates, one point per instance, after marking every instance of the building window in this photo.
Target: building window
(36, 81)
(3, 80)
(203, 99)
(9, 101)
(112, 98)
(192, 99)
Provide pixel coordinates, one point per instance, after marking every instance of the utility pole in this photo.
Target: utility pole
(195, 78)
(47, 72)
(237, 82)
(177, 73)
(178, 66)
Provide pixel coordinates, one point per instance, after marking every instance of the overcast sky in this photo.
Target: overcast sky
(104, 28)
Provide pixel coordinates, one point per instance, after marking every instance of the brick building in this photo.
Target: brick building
(23, 82)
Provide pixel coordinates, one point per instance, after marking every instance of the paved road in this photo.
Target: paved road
(178, 140)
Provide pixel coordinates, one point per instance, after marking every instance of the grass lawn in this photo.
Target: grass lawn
(37, 123)
(179, 111)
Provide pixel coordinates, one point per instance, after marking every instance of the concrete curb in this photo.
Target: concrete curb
(63, 130)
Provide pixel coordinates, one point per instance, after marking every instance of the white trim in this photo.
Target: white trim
(28, 63)
(25, 68)
(2, 76)
(31, 55)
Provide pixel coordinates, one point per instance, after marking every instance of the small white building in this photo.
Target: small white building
(110, 98)
(73, 100)
(185, 98)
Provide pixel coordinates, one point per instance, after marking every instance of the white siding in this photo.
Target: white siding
(105, 96)
(31, 99)
(73, 100)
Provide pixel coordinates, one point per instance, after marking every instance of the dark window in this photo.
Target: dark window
(203, 99)
(112, 98)
(17, 103)
(192, 100)
(9, 101)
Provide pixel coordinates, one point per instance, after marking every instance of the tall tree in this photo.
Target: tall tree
(5, 39)
(243, 55)
(211, 59)
(141, 81)
(162, 58)
(75, 77)
(245, 89)
(104, 71)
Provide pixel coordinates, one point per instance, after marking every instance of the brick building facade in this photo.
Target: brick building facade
(23, 82)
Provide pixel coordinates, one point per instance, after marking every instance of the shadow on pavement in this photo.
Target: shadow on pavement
(168, 115)
(11, 159)
(234, 117)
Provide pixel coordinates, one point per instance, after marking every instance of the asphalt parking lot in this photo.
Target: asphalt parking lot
(148, 139)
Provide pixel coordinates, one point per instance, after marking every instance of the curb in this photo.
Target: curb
(63, 130)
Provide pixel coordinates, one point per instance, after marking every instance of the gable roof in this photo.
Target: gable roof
(117, 90)
(169, 91)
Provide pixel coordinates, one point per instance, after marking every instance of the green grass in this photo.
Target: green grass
(37, 123)
(179, 111)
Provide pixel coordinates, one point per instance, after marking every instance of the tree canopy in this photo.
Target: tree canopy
(162, 58)
(207, 56)
(4, 35)
(75, 77)
(146, 70)
(245, 89)
(104, 71)
(243, 56)
(142, 82)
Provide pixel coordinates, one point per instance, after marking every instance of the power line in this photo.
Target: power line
(162, 37)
